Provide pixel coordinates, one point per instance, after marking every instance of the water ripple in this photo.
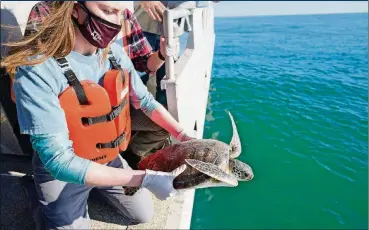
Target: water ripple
(331, 170)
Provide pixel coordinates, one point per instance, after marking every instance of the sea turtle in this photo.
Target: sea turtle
(210, 163)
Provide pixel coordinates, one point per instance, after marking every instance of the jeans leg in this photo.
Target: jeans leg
(62, 205)
(135, 209)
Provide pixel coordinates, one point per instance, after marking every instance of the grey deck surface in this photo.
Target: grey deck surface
(15, 214)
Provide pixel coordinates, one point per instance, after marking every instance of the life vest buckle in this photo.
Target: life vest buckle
(112, 144)
(108, 117)
(100, 145)
(112, 116)
(87, 121)
(116, 111)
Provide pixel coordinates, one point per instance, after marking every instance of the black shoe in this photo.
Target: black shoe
(27, 183)
(28, 186)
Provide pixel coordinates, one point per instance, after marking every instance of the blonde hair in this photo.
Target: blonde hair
(55, 38)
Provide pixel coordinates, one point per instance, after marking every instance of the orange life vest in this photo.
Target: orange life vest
(98, 117)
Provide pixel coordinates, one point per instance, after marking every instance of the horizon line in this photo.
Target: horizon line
(287, 14)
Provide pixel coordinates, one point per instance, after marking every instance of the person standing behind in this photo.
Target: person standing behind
(150, 16)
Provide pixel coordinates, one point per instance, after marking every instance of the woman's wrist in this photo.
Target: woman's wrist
(102, 175)
(137, 177)
(183, 136)
(154, 62)
(160, 56)
(141, 175)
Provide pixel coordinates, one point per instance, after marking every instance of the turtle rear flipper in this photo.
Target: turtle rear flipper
(213, 171)
(235, 142)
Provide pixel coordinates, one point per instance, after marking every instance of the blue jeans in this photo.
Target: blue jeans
(61, 205)
(160, 96)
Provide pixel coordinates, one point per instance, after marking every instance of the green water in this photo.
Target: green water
(297, 88)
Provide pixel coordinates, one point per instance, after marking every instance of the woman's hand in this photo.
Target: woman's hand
(165, 120)
(155, 61)
(161, 183)
(183, 136)
(154, 9)
(163, 47)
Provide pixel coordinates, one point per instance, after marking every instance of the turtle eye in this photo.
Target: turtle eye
(243, 175)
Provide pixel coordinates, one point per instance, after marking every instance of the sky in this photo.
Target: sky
(252, 8)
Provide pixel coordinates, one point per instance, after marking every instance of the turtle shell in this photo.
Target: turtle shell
(173, 156)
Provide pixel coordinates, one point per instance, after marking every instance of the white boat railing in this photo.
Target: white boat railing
(187, 83)
(187, 79)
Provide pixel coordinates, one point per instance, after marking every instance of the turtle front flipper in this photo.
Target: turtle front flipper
(213, 171)
(235, 142)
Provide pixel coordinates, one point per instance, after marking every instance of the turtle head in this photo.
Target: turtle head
(242, 171)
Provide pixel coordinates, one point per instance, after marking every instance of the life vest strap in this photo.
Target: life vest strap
(108, 117)
(113, 60)
(112, 144)
(72, 80)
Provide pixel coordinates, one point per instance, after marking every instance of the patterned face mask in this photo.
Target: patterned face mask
(96, 30)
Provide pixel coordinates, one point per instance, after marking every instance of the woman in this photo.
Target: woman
(148, 135)
(72, 46)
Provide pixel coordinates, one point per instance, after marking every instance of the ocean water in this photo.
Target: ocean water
(297, 88)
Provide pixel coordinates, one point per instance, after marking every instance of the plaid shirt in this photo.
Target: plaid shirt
(136, 45)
